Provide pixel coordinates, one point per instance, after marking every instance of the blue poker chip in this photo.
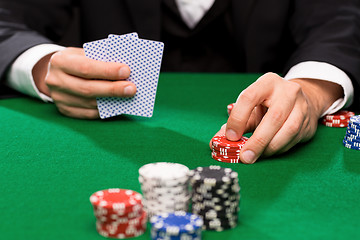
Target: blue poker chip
(177, 225)
(182, 236)
(355, 120)
(354, 140)
(352, 132)
(352, 137)
(351, 145)
(353, 127)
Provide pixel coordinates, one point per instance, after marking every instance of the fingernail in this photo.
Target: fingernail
(232, 135)
(129, 91)
(124, 72)
(248, 156)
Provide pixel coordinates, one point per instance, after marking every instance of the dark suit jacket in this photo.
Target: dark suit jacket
(266, 32)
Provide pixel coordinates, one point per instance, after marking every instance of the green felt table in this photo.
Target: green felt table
(51, 164)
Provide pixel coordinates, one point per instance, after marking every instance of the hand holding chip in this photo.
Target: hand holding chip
(281, 113)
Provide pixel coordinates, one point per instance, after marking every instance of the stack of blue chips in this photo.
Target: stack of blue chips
(352, 137)
(176, 226)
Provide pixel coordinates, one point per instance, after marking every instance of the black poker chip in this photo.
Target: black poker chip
(215, 195)
(218, 224)
(213, 175)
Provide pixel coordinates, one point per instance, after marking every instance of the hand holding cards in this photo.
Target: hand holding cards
(144, 59)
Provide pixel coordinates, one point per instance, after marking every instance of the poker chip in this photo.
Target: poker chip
(178, 225)
(165, 187)
(230, 108)
(225, 154)
(215, 195)
(222, 142)
(352, 136)
(227, 160)
(341, 115)
(355, 120)
(339, 125)
(119, 213)
(132, 228)
(338, 119)
(224, 150)
(351, 145)
(353, 127)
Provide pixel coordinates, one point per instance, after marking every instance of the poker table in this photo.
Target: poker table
(51, 164)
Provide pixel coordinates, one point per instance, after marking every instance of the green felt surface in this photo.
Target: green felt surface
(51, 164)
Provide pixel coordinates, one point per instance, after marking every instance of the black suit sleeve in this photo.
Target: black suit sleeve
(328, 31)
(24, 24)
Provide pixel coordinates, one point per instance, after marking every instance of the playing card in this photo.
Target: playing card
(96, 49)
(144, 59)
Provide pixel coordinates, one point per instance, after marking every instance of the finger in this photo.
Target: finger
(73, 100)
(252, 96)
(273, 120)
(268, 127)
(252, 123)
(302, 129)
(90, 88)
(308, 134)
(74, 62)
(75, 112)
(255, 118)
(288, 135)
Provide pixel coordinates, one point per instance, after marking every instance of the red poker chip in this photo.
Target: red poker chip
(226, 160)
(337, 125)
(132, 228)
(336, 121)
(226, 155)
(343, 114)
(226, 150)
(230, 108)
(108, 216)
(118, 201)
(223, 142)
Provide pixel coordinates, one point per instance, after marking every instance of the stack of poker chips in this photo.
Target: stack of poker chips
(176, 226)
(215, 196)
(165, 187)
(352, 137)
(224, 150)
(339, 119)
(119, 213)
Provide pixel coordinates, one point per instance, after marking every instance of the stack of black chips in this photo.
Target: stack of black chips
(215, 196)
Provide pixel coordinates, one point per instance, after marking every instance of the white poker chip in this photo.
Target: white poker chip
(165, 187)
(164, 171)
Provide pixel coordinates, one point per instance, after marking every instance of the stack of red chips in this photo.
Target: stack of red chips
(119, 213)
(338, 119)
(224, 150)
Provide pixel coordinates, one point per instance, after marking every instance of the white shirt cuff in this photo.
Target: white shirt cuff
(19, 76)
(326, 72)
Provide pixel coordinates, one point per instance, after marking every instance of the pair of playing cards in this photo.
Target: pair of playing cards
(144, 59)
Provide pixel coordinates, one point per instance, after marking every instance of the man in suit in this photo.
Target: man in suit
(315, 43)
